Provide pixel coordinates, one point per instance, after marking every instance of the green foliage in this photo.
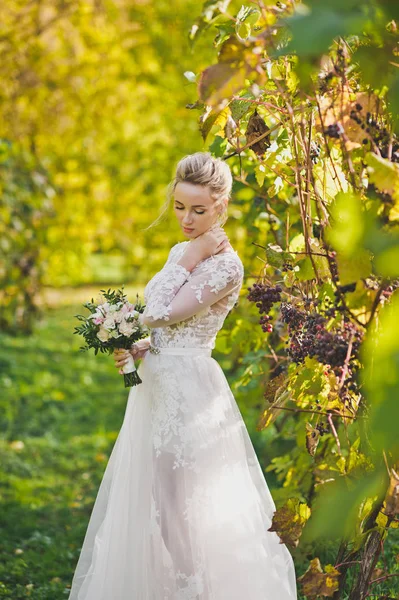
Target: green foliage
(381, 379)
(26, 211)
(92, 123)
(309, 125)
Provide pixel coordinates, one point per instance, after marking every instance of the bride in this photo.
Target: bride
(183, 509)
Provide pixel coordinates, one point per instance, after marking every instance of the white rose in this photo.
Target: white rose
(103, 335)
(109, 323)
(118, 316)
(126, 328)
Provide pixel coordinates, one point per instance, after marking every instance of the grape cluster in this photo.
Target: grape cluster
(322, 428)
(286, 266)
(334, 131)
(371, 283)
(308, 336)
(264, 321)
(377, 132)
(292, 315)
(329, 348)
(340, 63)
(264, 297)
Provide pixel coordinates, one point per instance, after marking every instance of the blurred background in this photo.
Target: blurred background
(93, 121)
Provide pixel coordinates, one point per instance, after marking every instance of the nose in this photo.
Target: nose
(186, 220)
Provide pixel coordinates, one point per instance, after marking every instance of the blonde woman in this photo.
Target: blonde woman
(183, 509)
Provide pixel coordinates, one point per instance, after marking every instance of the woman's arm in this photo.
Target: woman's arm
(171, 298)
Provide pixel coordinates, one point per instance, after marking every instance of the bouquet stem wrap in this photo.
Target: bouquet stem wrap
(130, 374)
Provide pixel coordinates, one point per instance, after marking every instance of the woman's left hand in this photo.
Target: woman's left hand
(139, 349)
(121, 356)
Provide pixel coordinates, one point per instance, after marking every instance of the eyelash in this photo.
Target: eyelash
(196, 212)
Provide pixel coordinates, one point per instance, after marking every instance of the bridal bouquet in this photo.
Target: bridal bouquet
(113, 324)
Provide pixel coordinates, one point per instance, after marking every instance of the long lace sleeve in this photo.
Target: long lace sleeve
(175, 294)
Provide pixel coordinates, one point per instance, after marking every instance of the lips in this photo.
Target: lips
(188, 229)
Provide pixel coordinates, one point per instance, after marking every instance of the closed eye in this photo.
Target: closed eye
(198, 213)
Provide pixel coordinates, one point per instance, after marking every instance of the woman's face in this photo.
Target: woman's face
(194, 208)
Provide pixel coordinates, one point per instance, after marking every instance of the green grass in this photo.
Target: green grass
(62, 410)
(61, 413)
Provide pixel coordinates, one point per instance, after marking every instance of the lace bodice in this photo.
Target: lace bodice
(187, 309)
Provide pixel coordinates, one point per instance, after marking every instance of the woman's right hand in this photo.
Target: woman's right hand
(211, 242)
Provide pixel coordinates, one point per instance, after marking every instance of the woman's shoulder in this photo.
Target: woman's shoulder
(176, 248)
(230, 259)
(229, 254)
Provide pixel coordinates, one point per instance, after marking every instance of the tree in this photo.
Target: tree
(92, 97)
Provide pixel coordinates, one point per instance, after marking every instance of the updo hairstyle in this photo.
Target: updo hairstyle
(201, 168)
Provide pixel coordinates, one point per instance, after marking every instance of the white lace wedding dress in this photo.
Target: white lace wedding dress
(183, 509)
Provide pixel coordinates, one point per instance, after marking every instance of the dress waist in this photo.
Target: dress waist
(180, 351)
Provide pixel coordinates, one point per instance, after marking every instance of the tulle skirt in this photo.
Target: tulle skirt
(183, 508)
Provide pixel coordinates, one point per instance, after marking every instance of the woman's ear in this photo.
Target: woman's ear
(224, 206)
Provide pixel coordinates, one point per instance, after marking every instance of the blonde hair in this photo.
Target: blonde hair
(201, 168)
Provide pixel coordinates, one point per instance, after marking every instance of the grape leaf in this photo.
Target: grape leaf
(354, 268)
(315, 582)
(312, 439)
(289, 521)
(383, 174)
(276, 256)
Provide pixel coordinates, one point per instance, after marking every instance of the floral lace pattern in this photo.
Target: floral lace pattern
(206, 295)
(170, 278)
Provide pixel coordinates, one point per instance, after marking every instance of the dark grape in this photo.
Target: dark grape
(334, 131)
(264, 297)
(309, 336)
(322, 428)
(287, 267)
